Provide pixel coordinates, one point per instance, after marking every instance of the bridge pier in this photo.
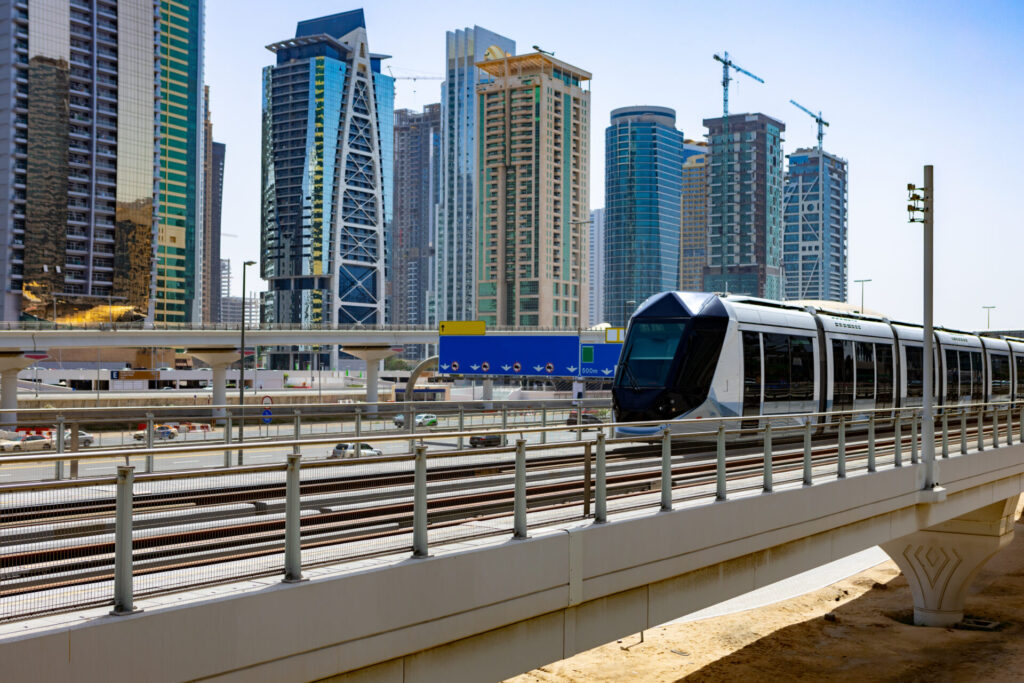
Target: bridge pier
(10, 365)
(373, 355)
(940, 562)
(219, 360)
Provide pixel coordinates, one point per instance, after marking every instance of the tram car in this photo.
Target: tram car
(694, 355)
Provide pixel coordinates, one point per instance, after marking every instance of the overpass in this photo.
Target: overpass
(492, 596)
(22, 344)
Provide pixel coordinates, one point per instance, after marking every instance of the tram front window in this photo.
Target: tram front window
(648, 359)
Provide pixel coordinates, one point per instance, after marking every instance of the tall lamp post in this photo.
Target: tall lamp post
(988, 311)
(862, 282)
(241, 365)
(921, 210)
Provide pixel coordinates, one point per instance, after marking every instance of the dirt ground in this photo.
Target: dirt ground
(855, 630)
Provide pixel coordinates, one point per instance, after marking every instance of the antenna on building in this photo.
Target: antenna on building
(817, 117)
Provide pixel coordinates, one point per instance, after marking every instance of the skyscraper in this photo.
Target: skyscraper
(417, 167)
(814, 253)
(213, 186)
(78, 111)
(327, 186)
(745, 231)
(693, 236)
(180, 249)
(643, 172)
(595, 306)
(454, 286)
(533, 191)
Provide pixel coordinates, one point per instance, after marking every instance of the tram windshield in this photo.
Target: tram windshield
(652, 346)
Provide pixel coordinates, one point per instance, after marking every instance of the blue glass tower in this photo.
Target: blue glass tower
(643, 184)
(814, 214)
(327, 167)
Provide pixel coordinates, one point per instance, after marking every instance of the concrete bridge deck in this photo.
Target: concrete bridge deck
(489, 608)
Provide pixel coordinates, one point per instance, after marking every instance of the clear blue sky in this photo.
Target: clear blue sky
(902, 84)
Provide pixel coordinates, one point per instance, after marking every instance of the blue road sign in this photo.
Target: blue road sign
(533, 356)
(266, 415)
(598, 360)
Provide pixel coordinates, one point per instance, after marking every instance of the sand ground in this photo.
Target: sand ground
(858, 629)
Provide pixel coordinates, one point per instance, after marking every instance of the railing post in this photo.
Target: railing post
(963, 432)
(123, 579)
(666, 469)
(841, 454)
(871, 442)
(420, 546)
(915, 418)
(504, 425)
(995, 426)
(720, 482)
(586, 478)
(981, 428)
(58, 466)
(149, 441)
(601, 488)
(227, 440)
(767, 457)
(1009, 425)
(293, 520)
(897, 443)
(945, 432)
(579, 421)
(297, 434)
(544, 422)
(519, 505)
(462, 427)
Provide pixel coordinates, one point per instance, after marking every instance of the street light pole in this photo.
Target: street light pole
(241, 366)
(922, 211)
(988, 310)
(862, 282)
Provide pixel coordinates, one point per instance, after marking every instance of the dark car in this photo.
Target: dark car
(485, 440)
(588, 419)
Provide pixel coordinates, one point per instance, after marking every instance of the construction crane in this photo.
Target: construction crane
(413, 78)
(817, 117)
(726, 77)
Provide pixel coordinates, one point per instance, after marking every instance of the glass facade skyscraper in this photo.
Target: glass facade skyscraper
(453, 286)
(745, 220)
(643, 181)
(693, 237)
(78, 116)
(327, 185)
(814, 247)
(596, 307)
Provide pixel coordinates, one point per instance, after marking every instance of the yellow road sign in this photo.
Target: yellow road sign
(463, 327)
(614, 335)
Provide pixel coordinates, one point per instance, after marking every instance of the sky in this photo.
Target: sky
(901, 85)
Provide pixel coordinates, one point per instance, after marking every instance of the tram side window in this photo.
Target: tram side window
(977, 377)
(952, 376)
(883, 366)
(1019, 360)
(1000, 374)
(776, 367)
(842, 374)
(865, 370)
(801, 350)
(915, 371)
(751, 373)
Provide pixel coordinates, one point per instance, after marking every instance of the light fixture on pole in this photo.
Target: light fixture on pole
(861, 282)
(241, 365)
(921, 210)
(988, 311)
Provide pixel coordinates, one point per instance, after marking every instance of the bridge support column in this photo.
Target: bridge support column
(373, 355)
(10, 365)
(218, 360)
(941, 562)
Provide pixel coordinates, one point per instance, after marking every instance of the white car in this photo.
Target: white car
(29, 442)
(348, 450)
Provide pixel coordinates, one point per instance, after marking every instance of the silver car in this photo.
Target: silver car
(348, 450)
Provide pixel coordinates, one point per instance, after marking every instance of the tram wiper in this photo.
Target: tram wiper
(629, 375)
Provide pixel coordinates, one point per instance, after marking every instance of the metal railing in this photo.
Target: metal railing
(68, 544)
